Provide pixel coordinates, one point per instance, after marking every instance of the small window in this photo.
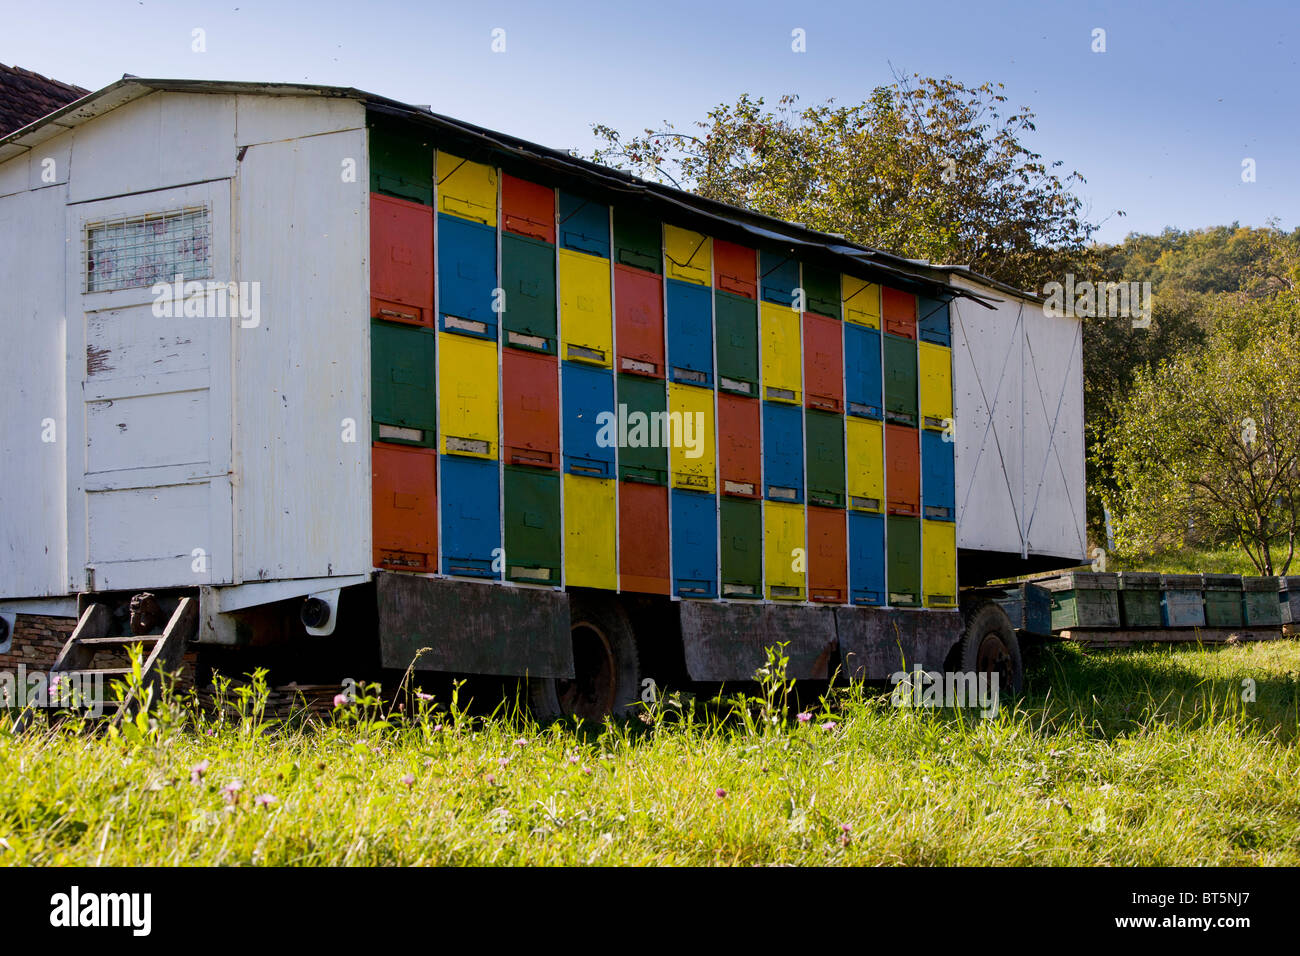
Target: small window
(143, 250)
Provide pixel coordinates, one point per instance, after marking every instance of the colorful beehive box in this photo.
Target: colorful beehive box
(1260, 606)
(1139, 599)
(1290, 600)
(1084, 599)
(1182, 601)
(1222, 600)
(1029, 608)
(538, 353)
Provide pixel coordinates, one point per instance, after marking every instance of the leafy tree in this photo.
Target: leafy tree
(1256, 262)
(1114, 355)
(1199, 277)
(935, 170)
(1210, 441)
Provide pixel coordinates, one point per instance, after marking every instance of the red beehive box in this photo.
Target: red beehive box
(735, 269)
(401, 260)
(530, 393)
(527, 209)
(898, 310)
(639, 318)
(827, 556)
(823, 363)
(404, 486)
(903, 469)
(643, 548)
(740, 456)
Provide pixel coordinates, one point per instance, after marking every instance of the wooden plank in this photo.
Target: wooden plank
(167, 652)
(724, 642)
(95, 622)
(471, 628)
(1203, 635)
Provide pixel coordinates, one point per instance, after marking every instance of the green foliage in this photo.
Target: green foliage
(1251, 261)
(1150, 757)
(1200, 278)
(1210, 440)
(935, 170)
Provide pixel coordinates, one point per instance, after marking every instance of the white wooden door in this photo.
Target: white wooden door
(150, 473)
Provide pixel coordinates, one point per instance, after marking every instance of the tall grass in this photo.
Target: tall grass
(1223, 560)
(1116, 757)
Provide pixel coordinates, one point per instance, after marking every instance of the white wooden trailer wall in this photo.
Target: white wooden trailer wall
(188, 451)
(1018, 395)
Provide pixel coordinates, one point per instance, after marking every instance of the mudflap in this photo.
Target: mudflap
(727, 642)
(876, 643)
(472, 628)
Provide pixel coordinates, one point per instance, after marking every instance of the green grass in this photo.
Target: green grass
(1228, 560)
(1141, 757)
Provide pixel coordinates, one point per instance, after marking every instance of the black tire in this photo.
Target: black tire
(989, 645)
(607, 668)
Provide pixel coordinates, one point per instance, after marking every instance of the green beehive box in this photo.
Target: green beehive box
(736, 331)
(901, 405)
(1223, 600)
(1182, 601)
(1260, 606)
(821, 291)
(1139, 599)
(1084, 599)
(528, 278)
(1290, 600)
(638, 240)
(825, 459)
(645, 463)
(904, 561)
(532, 525)
(401, 161)
(402, 384)
(742, 547)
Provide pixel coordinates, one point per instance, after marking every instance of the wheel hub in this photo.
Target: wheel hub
(994, 657)
(590, 695)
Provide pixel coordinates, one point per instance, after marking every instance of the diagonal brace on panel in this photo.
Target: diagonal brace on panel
(992, 408)
(1052, 450)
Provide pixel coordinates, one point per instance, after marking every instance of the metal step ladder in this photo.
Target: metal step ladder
(92, 635)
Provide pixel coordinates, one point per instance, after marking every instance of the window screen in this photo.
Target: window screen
(143, 250)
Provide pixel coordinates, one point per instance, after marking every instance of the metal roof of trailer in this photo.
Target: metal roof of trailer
(741, 224)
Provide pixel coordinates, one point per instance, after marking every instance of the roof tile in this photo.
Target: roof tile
(26, 96)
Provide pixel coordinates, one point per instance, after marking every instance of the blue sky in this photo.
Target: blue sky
(1159, 124)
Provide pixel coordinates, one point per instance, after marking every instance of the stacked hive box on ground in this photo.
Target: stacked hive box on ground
(572, 394)
(1139, 599)
(1182, 602)
(1260, 605)
(1289, 598)
(1084, 599)
(1222, 600)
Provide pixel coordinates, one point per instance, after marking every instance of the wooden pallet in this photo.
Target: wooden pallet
(1189, 635)
(164, 651)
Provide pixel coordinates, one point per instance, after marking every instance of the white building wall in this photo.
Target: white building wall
(287, 497)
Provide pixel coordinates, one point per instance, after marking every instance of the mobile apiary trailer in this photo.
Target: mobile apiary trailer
(320, 360)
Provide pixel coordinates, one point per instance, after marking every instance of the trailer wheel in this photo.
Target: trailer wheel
(607, 668)
(989, 646)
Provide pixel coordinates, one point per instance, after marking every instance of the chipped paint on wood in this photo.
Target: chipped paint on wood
(97, 361)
